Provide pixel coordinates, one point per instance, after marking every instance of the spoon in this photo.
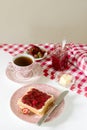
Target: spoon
(63, 44)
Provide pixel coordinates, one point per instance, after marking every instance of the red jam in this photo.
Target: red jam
(60, 60)
(35, 98)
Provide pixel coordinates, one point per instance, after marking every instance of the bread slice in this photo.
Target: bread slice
(36, 101)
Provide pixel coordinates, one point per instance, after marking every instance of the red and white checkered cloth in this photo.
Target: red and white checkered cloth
(78, 56)
(80, 85)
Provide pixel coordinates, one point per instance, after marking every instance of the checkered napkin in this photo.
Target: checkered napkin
(80, 85)
(78, 56)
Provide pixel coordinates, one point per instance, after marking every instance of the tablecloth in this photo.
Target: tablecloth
(80, 84)
(78, 56)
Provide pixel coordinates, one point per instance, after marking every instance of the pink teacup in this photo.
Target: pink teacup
(24, 66)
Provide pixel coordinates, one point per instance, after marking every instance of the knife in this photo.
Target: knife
(56, 104)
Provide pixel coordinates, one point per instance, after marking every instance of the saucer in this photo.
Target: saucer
(12, 75)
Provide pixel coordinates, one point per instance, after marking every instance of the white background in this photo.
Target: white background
(37, 21)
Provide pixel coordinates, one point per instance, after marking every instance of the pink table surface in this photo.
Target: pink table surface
(80, 85)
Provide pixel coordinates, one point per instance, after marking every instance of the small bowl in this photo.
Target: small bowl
(39, 55)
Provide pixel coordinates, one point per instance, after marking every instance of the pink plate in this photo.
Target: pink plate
(13, 76)
(35, 118)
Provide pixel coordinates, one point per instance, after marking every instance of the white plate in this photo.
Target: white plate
(35, 118)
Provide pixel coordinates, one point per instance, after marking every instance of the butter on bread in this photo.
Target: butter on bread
(35, 101)
(65, 79)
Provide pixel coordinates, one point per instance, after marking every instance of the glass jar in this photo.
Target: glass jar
(59, 58)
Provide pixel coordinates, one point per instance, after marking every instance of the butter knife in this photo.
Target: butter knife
(56, 104)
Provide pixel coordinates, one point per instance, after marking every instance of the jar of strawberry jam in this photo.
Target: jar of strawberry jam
(60, 58)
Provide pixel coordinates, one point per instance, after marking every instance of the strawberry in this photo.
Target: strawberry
(25, 111)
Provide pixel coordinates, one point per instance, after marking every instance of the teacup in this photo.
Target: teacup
(24, 66)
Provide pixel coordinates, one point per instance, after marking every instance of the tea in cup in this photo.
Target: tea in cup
(24, 66)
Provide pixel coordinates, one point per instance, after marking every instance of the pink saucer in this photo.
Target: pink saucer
(13, 76)
(35, 118)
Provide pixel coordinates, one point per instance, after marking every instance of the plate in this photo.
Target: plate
(42, 49)
(12, 75)
(35, 118)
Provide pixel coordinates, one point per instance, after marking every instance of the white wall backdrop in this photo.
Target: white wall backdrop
(40, 21)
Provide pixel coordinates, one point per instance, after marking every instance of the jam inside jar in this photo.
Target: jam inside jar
(60, 58)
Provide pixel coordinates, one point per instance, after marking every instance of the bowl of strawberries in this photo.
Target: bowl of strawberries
(37, 52)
